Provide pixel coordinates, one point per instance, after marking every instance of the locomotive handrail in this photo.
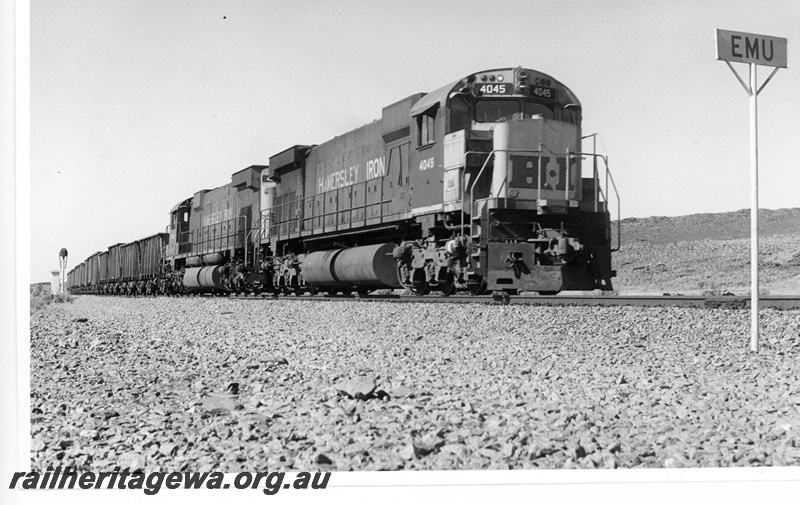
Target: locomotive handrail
(255, 232)
(605, 194)
(569, 155)
(477, 178)
(298, 222)
(464, 183)
(619, 221)
(472, 197)
(200, 242)
(599, 191)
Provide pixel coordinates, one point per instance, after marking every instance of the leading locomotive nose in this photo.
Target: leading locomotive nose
(533, 160)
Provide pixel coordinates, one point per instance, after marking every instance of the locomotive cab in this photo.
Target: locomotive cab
(504, 114)
(178, 229)
(513, 188)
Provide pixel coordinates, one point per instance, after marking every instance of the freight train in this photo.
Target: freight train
(475, 187)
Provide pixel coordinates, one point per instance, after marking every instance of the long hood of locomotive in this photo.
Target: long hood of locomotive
(375, 170)
(355, 157)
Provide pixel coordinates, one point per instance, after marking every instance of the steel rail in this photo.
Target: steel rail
(781, 302)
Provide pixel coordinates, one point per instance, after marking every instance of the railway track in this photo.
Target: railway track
(731, 302)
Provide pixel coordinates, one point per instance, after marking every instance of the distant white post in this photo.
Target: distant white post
(754, 50)
(55, 282)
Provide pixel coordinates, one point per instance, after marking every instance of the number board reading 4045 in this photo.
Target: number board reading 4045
(543, 92)
(496, 89)
(508, 89)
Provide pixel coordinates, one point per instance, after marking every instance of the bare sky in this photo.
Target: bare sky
(136, 105)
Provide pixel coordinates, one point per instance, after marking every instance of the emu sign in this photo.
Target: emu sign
(755, 50)
(751, 48)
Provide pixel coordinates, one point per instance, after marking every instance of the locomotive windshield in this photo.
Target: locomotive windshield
(495, 110)
(492, 111)
(534, 108)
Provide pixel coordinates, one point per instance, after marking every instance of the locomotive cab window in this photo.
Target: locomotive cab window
(460, 117)
(492, 111)
(538, 109)
(571, 115)
(426, 123)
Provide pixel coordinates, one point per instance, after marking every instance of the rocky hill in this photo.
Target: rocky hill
(709, 252)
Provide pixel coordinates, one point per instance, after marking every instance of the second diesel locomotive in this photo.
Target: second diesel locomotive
(476, 186)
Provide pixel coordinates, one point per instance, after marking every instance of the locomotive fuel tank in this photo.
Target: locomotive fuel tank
(194, 261)
(204, 279)
(213, 259)
(371, 266)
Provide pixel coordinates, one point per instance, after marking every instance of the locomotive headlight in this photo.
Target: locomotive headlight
(483, 78)
(500, 78)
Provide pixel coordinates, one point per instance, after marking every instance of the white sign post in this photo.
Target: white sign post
(754, 50)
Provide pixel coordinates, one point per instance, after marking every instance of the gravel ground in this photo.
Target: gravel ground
(211, 383)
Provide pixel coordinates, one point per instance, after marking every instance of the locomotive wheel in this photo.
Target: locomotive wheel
(420, 288)
(419, 282)
(299, 291)
(448, 285)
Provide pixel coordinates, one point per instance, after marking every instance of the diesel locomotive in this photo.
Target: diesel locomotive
(475, 187)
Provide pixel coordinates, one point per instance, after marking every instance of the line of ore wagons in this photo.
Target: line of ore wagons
(138, 260)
